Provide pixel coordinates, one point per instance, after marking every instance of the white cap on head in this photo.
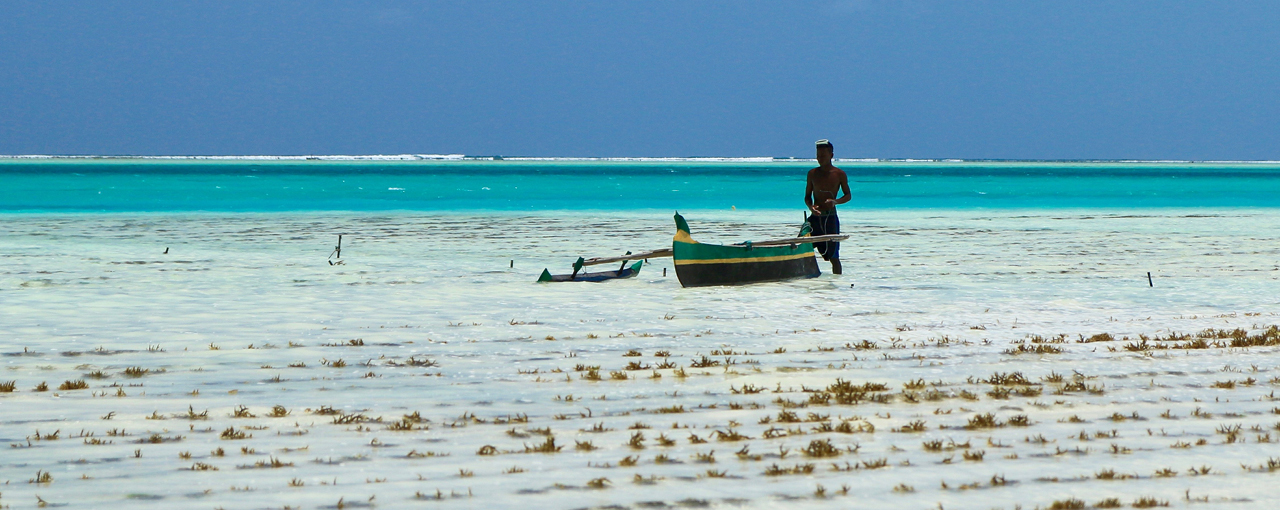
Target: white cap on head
(823, 141)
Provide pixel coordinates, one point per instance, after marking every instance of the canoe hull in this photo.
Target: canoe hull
(739, 273)
(699, 265)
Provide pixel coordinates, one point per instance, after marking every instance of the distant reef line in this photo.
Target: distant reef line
(467, 158)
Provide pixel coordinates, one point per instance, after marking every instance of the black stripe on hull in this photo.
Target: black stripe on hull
(736, 273)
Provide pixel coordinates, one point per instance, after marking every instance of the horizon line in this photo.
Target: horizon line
(656, 159)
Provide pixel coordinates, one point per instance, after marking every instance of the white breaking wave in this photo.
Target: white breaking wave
(658, 159)
(330, 157)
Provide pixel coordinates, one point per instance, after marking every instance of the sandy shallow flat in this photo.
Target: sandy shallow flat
(967, 359)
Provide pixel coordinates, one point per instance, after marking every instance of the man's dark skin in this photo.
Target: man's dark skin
(824, 182)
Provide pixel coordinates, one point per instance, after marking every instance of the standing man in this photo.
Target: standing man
(820, 195)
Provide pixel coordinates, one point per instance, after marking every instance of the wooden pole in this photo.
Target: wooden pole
(337, 250)
(1149, 282)
(797, 240)
(666, 252)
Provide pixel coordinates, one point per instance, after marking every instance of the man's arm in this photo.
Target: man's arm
(844, 186)
(808, 192)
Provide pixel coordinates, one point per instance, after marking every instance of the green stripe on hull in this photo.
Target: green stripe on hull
(698, 251)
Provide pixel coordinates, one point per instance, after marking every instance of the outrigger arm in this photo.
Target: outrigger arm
(795, 240)
(651, 254)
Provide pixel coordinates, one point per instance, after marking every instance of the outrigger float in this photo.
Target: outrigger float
(622, 271)
(699, 264)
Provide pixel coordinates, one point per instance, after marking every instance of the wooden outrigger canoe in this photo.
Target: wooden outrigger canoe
(700, 264)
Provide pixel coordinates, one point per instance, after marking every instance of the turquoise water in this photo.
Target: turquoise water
(258, 186)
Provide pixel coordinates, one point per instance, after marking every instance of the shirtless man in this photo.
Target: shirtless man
(820, 195)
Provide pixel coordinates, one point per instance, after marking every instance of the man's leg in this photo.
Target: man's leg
(834, 228)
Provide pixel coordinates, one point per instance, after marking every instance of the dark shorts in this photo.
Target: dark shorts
(821, 225)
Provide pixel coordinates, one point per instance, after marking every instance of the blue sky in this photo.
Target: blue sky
(881, 78)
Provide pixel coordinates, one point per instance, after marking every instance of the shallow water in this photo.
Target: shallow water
(471, 186)
(940, 293)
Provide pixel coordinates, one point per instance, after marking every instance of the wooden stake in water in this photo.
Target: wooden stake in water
(336, 251)
(1149, 282)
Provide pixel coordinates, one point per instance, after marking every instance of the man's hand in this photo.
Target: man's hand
(830, 203)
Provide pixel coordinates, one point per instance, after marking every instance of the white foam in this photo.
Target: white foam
(658, 159)
(317, 157)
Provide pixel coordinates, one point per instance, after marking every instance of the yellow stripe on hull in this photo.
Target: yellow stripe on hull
(743, 259)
